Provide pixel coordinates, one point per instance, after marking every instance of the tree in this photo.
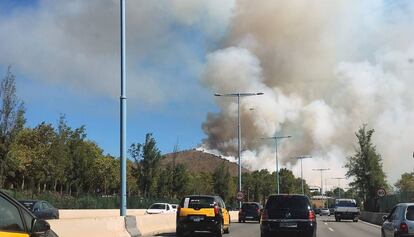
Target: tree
(406, 182)
(11, 120)
(366, 169)
(221, 181)
(147, 157)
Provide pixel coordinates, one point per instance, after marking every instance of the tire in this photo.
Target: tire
(355, 220)
(220, 230)
(239, 221)
(227, 230)
(244, 221)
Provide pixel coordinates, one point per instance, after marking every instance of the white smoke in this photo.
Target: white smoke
(326, 68)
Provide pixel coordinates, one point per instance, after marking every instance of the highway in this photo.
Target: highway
(327, 227)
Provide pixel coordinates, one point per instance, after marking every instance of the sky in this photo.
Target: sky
(325, 69)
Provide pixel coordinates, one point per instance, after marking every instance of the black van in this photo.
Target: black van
(288, 215)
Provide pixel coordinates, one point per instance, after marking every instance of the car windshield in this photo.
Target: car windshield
(198, 202)
(410, 213)
(346, 204)
(157, 206)
(250, 206)
(28, 204)
(287, 202)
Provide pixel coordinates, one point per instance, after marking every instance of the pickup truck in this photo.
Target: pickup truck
(346, 209)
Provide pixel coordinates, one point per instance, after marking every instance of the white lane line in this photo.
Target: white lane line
(326, 223)
(366, 223)
(331, 229)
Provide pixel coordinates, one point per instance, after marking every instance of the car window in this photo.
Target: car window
(198, 202)
(27, 204)
(168, 207)
(10, 219)
(158, 206)
(28, 219)
(250, 206)
(46, 205)
(290, 202)
(410, 213)
(346, 204)
(392, 213)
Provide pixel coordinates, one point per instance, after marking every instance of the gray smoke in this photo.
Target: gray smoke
(326, 68)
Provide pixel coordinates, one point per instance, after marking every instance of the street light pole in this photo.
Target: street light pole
(123, 112)
(276, 138)
(301, 169)
(339, 186)
(321, 170)
(238, 95)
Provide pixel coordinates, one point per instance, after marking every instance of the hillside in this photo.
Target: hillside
(198, 161)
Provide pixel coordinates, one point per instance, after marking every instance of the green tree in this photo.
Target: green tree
(147, 158)
(221, 181)
(366, 169)
(406, 182)
(180, 181)
(11, 121)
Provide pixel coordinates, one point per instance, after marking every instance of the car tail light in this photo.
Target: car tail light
(312, 215)
(403, 228)
(265, 216)
(216, 210)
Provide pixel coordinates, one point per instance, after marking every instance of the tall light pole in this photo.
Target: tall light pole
(339, 186)
(276, 138)
(238, 95)
(123, 112)
(321, 170)
(301, 168)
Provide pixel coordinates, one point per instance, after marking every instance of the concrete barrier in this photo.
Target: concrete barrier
(96, 213)
(106, 223)
(90, 227)
(372, 217)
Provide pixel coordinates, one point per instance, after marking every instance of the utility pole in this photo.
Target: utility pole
(276, 138)
(339, 186)
(301, 168)
(238, 95)
(321, 170)
(123, 105)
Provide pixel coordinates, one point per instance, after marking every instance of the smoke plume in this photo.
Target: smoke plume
(325, 68)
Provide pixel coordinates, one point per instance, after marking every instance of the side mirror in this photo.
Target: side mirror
(39, 227)
(36, 209)
(384, 218)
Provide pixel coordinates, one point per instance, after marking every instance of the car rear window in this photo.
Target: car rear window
(290, 202)
(346, 204)
(28, 205)
(157, 206)
(250, 206)
(198, 202)
(410, 213)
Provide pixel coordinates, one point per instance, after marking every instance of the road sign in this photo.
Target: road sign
(240, 196)
(381, 192)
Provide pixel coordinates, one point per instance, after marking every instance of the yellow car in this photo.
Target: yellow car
(202, 213)
(17, 221)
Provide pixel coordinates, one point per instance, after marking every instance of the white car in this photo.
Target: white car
(160, 208)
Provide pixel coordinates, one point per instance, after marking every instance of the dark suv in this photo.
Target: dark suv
(288, 215)
(250, 211)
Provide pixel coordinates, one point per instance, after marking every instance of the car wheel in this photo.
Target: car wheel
(239, 221)
(227, 230)
(244, 221)
(220, 231)
(355, 220)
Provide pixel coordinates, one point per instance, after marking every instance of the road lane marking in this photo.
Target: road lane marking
(326, 223)
(366, 223)
(331, 229)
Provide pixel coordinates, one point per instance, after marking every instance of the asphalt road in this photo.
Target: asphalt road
(327, 227)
